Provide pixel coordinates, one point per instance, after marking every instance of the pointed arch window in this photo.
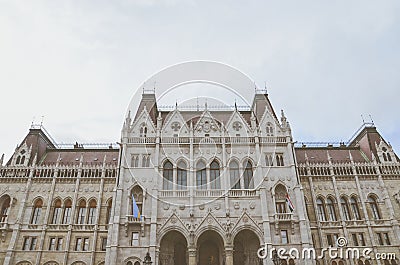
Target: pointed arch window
(80, 219)
(248, 175)
(321, 210)
(5, 207)
(374, 207)
(143, 130)
(182, 176)
(331, 209)
(18, 160)
(384, 157)
(345, 208)
(168, 173)
(67, 212)
(270, 129)
(137, 194)
(234, 175)
(354, 208)
(37, 211)
(22, 160)
(215, 181)
(201, 176)
(56, 212)
(92, 212)
(389, 157)
(280, 199)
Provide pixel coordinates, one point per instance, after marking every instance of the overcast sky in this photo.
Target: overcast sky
(78, 63)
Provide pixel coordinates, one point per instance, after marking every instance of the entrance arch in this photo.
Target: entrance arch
(173, 249)
(245, 247)
(210, 249)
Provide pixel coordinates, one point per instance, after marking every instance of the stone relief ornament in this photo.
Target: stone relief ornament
(236, 205)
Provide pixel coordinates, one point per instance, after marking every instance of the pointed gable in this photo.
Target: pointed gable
(144, 125)
(237, 125)
(175, 124)
(207, 125)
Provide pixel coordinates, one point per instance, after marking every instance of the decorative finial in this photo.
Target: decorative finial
(235, 105)
(362, 118)
(205, 104)
(371, 119)
(1, 160)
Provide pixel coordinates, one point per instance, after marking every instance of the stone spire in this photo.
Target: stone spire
(1, 160)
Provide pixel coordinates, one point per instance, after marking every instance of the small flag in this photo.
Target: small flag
(289, 202)
(135, 208)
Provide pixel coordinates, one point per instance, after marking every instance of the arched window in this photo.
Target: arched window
(291, 262)
(22, 160)
(234, 175)
(334, 263)
(143, 130)
(201, 176)
(280, 199)
(5, 207)
(80, 219)
(181, 176)
(345, 208)
(129, 263)
(331, 209)
(215, 181)
(360, 262)
(37, 211)
(137, 194)
(270, 129)
(354, 208)
(168, 176)
(92, 212)
(384, 156)
(389, 157)
(367, 262)
(56, 212)
(321, 210)
(18, 160)
(67, 211)
(109, 208)
(248, 175)
(374, 207)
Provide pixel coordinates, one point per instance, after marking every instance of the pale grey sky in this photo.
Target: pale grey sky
(78, 63)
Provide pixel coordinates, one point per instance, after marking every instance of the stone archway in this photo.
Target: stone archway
(210, 249)
(173, 249)
(245, 247)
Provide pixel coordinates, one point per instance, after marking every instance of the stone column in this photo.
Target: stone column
(229, 255)
(192, 256)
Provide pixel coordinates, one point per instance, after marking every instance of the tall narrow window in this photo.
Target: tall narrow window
(52, 243)
(181, 176)
(81, 212)
(374, 207)
(331, 209)
(145, 161)
(109, 208)
(5, 206)
(135, 239)
(270, 129)
(168, 176)
(67, 211)
(143, 130)
(23, 160)
(135, 160)
(137, 193)
(354, 208)
(345, 208)
(78, 244)
(37, 211)
(57, 212)
(248, 175)
(92, 212)
(201, 176)
(280, 199)
(269, 160)
(321, 210)
(284, 237)
(279, 160)
(234, 175)
(214, 175)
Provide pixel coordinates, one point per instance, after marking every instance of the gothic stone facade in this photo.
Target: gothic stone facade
(211, 186)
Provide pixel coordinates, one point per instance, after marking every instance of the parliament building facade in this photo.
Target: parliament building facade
(212, 187)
